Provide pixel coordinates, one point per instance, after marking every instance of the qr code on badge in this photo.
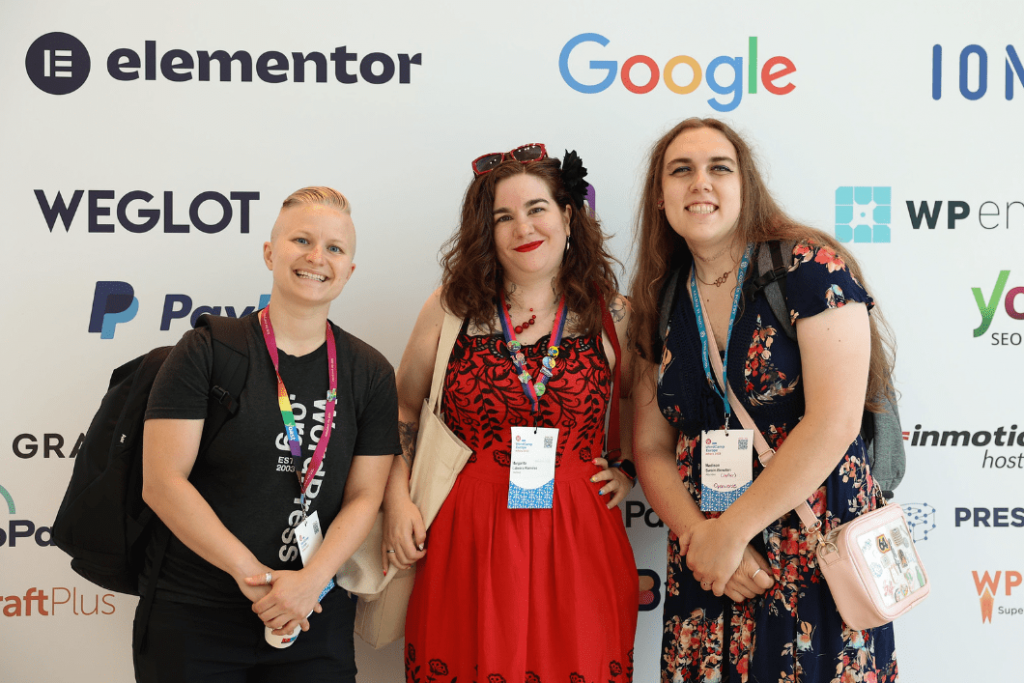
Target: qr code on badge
(743, 444)
(549, 442)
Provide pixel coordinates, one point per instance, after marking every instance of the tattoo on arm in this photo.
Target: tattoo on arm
(407, 432)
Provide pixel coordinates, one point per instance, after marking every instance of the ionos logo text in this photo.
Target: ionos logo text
(114, 302)
(774, 73)
(138, 211)
(972, 68)
(59, 63)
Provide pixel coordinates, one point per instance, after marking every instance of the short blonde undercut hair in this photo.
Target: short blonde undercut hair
(324, 196)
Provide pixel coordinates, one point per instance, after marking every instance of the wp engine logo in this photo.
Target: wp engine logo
(57, 63)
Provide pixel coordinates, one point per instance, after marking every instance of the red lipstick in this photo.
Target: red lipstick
(529, 247)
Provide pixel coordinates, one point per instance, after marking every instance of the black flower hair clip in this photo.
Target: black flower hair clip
(573, 174)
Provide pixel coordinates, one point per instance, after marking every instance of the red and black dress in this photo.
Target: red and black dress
(524, 596)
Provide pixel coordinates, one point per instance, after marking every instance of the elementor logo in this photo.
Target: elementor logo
(771, 73)
(21, 528)
(209, 212)
(57, 63)
(114, 302)
(863, 214)
(178, 66)
(973, 72)
(987, 305)
(988, 588)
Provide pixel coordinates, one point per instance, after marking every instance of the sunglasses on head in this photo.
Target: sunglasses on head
(524, 154)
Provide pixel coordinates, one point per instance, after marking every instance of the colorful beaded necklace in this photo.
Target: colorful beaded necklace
(533, 390)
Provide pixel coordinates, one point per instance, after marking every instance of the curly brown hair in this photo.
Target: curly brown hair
(661, 250)
(473, 277)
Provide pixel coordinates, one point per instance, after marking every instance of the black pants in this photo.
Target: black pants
(192, 644)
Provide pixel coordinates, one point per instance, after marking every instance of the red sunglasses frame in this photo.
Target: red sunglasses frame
(510, 154)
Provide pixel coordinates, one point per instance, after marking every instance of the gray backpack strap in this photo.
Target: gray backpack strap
(773, 262)
(883, 440)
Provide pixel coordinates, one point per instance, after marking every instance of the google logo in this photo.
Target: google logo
(772, 71)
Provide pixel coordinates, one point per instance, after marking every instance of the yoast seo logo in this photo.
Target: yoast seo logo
(139, 212)
(863, 214)
(988, 304)
(21, 528)
(988, 587)
(972, 68)
(59, 601)
(57, 63)
(114, 302)
(681, 74)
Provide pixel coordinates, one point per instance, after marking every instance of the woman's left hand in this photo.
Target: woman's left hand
(713, 553)
(291, 598)
(619, 485)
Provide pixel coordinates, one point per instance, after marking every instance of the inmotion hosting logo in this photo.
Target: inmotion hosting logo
(57, 63)
(114, 302)
(863, 214)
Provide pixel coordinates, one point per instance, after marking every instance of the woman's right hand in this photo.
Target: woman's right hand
(753, 577)
(404, 533)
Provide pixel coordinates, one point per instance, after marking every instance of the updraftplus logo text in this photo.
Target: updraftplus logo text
(772, 73)
(988, 587)
(113, 303)
(58, 602)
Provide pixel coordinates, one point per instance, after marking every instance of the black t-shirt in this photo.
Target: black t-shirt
(247, 475)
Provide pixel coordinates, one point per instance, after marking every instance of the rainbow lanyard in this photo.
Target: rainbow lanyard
(286, 406)
(533, 390)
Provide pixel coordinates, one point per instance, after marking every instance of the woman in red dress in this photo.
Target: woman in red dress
(538, 595)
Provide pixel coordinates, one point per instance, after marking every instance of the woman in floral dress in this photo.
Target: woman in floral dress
(745, 599)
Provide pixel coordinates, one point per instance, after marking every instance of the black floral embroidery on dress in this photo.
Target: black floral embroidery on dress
(482, 383)
(496, 678)
(532, 677)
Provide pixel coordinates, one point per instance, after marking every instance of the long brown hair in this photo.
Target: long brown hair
(473, 276)
(660, 250)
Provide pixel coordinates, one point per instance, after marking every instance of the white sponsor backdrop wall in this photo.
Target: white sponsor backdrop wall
(862, 113)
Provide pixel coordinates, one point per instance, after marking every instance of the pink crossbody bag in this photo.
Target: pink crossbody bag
(870, 564)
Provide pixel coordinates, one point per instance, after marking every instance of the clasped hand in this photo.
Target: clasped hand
(724, 563)
(286, 601)
(619, 485)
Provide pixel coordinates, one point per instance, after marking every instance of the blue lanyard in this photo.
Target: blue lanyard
(705, 355)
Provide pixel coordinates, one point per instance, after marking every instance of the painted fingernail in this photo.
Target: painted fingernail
(421, 546)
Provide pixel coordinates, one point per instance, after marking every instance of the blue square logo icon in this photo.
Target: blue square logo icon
(863, 214)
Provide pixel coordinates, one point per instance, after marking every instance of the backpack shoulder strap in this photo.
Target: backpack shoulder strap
(773, 261)
(230, 367)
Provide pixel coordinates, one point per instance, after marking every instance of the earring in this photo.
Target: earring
(567, 238)
(661, 204)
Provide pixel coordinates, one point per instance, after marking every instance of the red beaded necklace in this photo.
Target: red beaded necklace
(525, 324)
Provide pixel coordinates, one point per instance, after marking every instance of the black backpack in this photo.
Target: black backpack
(103, 522)
(882, 433)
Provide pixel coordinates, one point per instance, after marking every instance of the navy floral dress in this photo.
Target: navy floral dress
(793, 632)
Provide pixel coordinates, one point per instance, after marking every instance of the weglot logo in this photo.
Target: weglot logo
(114, 302)
(21, 528)
(774, 73)
(988, 587)
(972, 68)
(209, 212)
(58, 63)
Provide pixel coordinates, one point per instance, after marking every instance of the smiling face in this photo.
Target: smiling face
(310, 253)
(530, 231)
(701, 187)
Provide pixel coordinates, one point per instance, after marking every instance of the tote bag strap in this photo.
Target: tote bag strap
(764, 451)
(449, 333)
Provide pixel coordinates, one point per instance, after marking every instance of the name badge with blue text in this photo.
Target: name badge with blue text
(727, 467)
(532, 473)
(309, 537)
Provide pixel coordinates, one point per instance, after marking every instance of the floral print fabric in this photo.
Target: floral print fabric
(793, 632)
